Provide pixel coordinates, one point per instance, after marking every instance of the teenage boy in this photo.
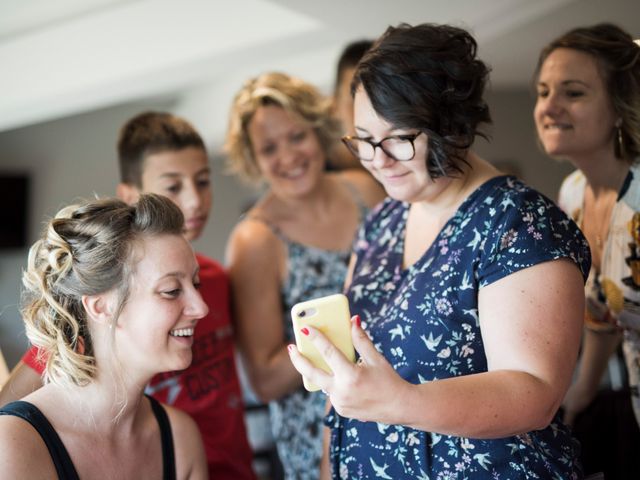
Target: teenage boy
(161, 153)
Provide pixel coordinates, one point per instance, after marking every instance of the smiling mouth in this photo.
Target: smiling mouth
(393, 177)
(194, 222)
(182, 332)
(557, 126)
(295, 173)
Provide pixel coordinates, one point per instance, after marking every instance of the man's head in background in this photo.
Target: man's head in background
(342, 99)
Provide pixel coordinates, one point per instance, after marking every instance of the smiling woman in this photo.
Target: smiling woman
(293, 244)
(110, 300)
(466, 282)
(588, 83)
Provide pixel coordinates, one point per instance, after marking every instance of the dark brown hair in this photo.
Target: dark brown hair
(427, 77)
(149, 133)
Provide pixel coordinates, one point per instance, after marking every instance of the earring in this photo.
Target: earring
(619, 144)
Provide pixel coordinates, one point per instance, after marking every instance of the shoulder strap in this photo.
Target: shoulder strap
(168, 455)
(276, 231)
(59, 455)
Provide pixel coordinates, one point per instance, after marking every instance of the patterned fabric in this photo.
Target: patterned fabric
(297, 419)
(615, 290)
(424, 320)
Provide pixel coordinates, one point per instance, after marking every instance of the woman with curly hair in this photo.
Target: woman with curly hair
(467, 286)
(293, 244)
(110, 300)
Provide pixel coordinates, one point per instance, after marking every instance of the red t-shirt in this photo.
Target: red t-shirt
(209, 389)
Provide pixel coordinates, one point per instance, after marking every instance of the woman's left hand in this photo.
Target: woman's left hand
(367, 390)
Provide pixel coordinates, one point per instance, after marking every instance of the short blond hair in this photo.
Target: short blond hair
(293, 95)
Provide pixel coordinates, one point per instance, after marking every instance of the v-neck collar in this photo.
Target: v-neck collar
(476, 195)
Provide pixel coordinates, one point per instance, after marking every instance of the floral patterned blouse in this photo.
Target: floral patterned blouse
(614, 291)
(424, 320)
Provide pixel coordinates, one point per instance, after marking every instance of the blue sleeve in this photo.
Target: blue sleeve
(529, 231)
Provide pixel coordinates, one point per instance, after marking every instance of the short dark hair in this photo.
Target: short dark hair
(618, 59)
(427, 77)
(349, 58)
(149, 133)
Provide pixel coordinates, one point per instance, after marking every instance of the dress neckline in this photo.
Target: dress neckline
(472, 198)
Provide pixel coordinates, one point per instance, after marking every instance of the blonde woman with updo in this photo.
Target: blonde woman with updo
(110, 300)
(294, 244)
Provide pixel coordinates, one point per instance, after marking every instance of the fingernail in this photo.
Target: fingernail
(290, 348)
(304, 330)
(357, 320)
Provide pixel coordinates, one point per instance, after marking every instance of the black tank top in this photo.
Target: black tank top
(60, 456)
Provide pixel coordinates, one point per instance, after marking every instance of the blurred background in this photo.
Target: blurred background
(73, 71)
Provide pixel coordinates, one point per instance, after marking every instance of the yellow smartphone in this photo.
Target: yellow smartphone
(330, 315)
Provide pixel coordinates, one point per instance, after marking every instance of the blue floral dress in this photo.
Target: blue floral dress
(297, 418)
(424, 320)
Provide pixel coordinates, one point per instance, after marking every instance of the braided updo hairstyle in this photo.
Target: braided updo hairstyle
(86, 249)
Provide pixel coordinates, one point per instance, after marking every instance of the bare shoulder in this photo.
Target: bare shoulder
(369, 189)
(252, 241)
(23, 453)
(189, 451)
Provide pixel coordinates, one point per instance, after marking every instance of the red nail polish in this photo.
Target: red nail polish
(304, 330)
(357, 321)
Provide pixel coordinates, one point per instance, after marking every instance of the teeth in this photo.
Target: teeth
(295, 173)
(182, 332)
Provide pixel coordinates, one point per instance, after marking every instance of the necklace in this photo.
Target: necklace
(598, 218)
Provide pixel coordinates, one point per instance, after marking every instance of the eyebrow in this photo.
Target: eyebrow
(569, 82)
(175, 174)
(389, 134)
(180, 274)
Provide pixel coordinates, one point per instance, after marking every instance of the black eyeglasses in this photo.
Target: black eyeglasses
(398, 147)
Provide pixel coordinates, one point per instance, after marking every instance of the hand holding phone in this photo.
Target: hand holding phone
(329, 315)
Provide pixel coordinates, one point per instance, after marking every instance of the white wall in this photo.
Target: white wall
(513, 140)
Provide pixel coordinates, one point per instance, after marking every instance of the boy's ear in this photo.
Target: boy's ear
(127, 193)
(98, 307)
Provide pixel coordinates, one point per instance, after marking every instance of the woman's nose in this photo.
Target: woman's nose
(381, 159)
(550, 105)
(196, 306)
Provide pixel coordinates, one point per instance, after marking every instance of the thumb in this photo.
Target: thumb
(363, 344)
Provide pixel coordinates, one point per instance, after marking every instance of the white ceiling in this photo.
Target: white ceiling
(65, 57)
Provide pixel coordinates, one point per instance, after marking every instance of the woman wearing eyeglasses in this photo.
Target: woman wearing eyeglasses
(466, 285)
(294, 244)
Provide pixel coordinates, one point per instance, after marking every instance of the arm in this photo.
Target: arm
(367, 187)
(597, 347)
(22, 381)
(23, 454)
(254, 257)
(325, 464)
(530, 323)
(191, 461)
